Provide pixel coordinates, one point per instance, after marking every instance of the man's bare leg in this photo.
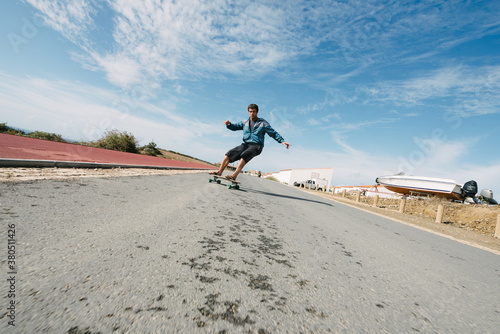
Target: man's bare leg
(223, 165)
(241, 164)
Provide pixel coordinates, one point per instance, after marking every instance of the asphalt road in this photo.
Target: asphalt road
(176, 254)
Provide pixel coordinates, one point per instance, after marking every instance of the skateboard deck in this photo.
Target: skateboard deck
(216, 178)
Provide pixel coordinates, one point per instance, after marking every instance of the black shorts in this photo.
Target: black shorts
(245, 151)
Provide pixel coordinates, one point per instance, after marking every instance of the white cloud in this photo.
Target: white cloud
(411, 92)
(340, 141)
(323, 121)
(82, 112)
(436, 156)
(466, 91)
(121, 70)
(333, 98)
(345, 127)
(196, 39)
(71, 18)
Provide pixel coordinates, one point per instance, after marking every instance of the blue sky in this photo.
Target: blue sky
(367, 87)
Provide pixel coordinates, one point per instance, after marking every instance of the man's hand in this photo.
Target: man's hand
(286, 144)
(227, 122)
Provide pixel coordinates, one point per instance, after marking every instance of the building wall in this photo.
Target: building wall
(283, 176)
(290, 176)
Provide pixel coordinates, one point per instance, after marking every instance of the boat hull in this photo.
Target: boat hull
(419, 185)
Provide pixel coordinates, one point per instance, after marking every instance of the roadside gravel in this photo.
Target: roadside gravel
(31, 174)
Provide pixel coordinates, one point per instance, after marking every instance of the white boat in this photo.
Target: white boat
(421, 185)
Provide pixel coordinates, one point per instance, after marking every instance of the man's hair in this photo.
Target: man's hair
(253, 106)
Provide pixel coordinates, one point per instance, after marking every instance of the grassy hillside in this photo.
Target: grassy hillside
(182, 157)
(112, 140)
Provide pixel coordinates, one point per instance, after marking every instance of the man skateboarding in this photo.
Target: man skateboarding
(254, 129)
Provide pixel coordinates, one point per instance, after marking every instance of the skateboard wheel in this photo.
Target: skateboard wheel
(210, 180)
(229, 186)
(218, 181)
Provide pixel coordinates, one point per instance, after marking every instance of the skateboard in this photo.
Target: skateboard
(234, 184)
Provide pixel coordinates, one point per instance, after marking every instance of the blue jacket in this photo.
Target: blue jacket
(260, 128)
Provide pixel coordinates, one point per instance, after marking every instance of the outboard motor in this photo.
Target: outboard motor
(469, 189)
(487, 196)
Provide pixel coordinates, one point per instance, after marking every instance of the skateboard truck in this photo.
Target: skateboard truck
(234, 184)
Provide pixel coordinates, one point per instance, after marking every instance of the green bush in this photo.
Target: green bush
(11, 131)
(112, 140)
(150, 149)
(118, 141)
(46, 136)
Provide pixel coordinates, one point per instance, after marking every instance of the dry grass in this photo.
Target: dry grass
(182, 157)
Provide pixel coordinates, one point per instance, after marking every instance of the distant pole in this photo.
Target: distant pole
(402, 204)
(497, 229)
(358, 196)
(439, 216)
(343, 192)
(333, 191)
(375, 201)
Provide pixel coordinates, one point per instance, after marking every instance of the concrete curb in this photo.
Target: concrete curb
(13, 163)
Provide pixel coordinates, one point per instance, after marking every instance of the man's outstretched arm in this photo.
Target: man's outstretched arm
(273, 134)
(233, 126)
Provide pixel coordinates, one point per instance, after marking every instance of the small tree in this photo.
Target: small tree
(4, 128)
(47, 136)
(118, 141)
(150, 149)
